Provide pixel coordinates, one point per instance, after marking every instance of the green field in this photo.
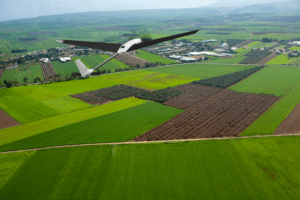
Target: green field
(275, 80)
(258, 44)
(35, 71)
(295, 48)
(253, 168)
(201, 71)
(153, 58)
(114, 127)
(9, 75)
(92, 61)
(64, 68)
(16, 133)
(280, 81)
(20, 74)
(148, 79)
(283, 59)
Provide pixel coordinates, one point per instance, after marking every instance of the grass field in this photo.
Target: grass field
(153, 58)
(258, 44)
(9, 75)
(114, 127)
(295, 48)
(148, 79)
(201, 71)
(64, 68)
(92, 61)
(283, 59)
(20, 74)
(35, 71)
(253, 168)
(275, 80)
(16, 133)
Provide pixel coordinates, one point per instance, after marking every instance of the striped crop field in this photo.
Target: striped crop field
(253, 168)
(16, 133)
(92, 61)
(114, 127)
(64, 68)
(153, 58)
(201, 71)
(282, 59)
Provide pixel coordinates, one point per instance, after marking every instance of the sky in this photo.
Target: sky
(19, 9)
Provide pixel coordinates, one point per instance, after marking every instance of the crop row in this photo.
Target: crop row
(226, 80)
(233, 42)
(123, 91)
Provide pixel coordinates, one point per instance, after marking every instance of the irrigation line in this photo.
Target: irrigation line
(152, 142)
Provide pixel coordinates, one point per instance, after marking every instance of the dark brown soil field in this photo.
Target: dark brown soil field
(131, 60)
(291, 124)
(225, 113)
(1, 72)
(91, 98)
(6, 120)
(192, 93)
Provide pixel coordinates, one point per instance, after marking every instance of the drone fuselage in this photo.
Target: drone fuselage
(124, 48)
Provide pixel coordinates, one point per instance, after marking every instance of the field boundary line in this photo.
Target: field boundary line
(149, 142)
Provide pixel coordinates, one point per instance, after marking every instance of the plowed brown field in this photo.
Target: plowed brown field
(6, 120)
(192, 93)
(225, 113)
(291, 124)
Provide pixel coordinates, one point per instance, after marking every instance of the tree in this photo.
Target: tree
(8, 83)
(108, 70)
(25, 79)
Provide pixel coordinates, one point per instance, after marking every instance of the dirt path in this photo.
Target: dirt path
(7, 121)
(158, 141)
(291, 124)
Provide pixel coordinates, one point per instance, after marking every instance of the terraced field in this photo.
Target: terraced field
(255, 168)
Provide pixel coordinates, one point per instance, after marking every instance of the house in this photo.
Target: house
(64, 59)
(44, 60)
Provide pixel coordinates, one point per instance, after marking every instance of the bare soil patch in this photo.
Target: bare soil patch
(226, 113)
(192, 93)
(131, 60)
(7, 121)
(291, 124)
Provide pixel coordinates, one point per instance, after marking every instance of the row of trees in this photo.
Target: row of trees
(123, 91)
(227, 80)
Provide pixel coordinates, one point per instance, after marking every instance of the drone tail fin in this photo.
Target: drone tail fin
(84, 71)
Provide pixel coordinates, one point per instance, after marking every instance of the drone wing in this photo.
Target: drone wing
(159, 40)
(94, 45)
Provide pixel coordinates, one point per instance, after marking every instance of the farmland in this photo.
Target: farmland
(92, 61)
(280, 81)
(201, 71)
(222, 114)
(295, 48)
(114, 127)
(64, 68)
(30, 129)
(154, 58)
(283, 59)
(257, 168)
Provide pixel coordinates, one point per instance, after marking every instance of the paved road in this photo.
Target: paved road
(158, 141)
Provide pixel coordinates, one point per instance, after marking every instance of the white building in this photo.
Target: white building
(188, 59)
(175, 57)
(65, 59)
(209, 54)
(211, 40)
(44, 60)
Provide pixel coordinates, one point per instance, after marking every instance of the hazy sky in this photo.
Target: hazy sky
(18, 9)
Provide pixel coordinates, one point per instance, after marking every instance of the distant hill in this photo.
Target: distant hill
(269, 7)
(241, 3)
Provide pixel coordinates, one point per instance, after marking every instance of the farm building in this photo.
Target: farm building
(175, 57)
(209, 54)
(223, 45)
(297, 43)
(187, 59)
(11, 66)
(64, 59)
(233, 48)
(211, 40)
(44, 60)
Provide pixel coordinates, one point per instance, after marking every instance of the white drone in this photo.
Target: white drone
(131, 45)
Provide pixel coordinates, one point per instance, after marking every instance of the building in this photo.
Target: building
(223, 45)
(209, 54)
(175, 57)
(44, 60)
(211, 40)
(64, 59)
(187, 59)
(233, 48)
